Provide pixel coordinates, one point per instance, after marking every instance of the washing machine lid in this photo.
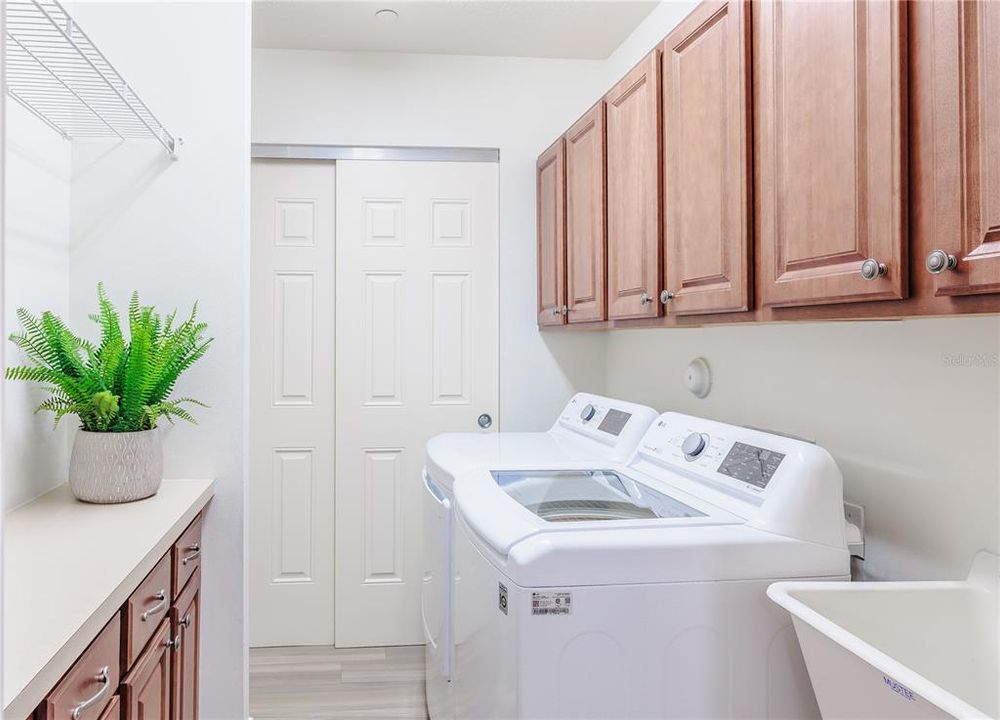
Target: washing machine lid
(505, 506)
(588, 495)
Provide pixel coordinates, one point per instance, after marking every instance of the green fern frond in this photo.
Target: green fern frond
(117, 385)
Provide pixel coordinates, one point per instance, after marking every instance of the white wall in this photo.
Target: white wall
(908, 409)
(515, 104)
(36, 278)
(178, 232)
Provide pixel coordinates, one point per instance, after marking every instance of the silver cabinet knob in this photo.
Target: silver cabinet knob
(484, 421)
(872, 269)
(666, 296)
(645, 298)
(938, 261)
(555, 312)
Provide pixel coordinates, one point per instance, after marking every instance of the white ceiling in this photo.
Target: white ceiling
(589, 29)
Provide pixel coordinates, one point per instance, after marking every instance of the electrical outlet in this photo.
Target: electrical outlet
(855, 514)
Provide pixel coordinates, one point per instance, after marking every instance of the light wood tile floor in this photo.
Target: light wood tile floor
(326, 682)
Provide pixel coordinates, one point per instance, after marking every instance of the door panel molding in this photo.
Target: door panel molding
(634, 196)
(706, 141)
(831, 157)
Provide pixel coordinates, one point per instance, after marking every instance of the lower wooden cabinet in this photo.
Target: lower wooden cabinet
(84, 691)
(114, 709)
(144, 664)
(146, 689)
(185, 621)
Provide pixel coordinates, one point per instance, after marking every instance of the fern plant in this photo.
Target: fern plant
(117, 385)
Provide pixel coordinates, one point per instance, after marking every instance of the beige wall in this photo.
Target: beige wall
(908, 409)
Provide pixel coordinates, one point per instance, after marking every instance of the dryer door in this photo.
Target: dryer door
(436, 588)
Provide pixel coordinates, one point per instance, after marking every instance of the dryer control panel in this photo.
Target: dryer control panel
(616, 423)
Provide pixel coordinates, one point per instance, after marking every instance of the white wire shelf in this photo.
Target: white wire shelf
(59, 75)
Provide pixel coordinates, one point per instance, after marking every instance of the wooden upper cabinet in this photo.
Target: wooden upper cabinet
(586, 218)
(706, 145)
(831, 147)
(634, 197)
(967, 92)
(551, 218)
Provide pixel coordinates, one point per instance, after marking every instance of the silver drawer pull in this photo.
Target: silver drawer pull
(105, 679)
(158, 608)
(195, 554)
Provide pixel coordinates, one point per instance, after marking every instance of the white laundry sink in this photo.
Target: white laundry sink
(900, 649)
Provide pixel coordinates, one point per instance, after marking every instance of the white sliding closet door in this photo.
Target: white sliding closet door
(291, 401)
(417, 314)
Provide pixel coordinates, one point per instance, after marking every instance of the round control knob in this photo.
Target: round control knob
(588, 412)
(938, 261)
(872, 269)
(693, 445)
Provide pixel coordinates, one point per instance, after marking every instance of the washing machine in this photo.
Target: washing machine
(638, 590)
(589, 426)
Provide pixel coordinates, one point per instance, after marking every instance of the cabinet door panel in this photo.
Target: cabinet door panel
(706, 168)
(185, 619)
(586, 221)
(978, 113)
(634, 199)
(830, 97)
(551, 216)
(146, 689)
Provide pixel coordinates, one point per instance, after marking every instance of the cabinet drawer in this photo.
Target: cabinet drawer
(114, 709)
(186, 556)
(91, 682)
(146, 608)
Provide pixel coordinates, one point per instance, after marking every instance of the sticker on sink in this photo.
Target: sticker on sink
(899, 688)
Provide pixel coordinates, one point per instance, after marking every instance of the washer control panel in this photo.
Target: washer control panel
(718, 452)
(778, 484)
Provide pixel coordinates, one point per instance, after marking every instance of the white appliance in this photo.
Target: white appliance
(590, 426)
(638, 590)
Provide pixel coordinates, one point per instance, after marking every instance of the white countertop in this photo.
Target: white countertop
(68, 567)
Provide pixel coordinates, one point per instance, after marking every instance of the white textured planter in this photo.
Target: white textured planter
(116, 467)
